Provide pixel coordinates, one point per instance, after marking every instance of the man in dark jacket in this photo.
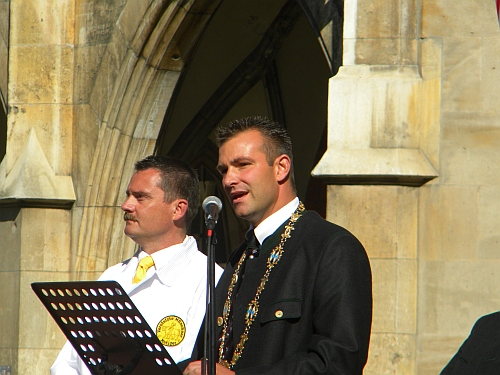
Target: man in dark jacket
(480, 353)
(296, 297)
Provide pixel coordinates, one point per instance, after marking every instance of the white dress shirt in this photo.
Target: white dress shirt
(174, 286)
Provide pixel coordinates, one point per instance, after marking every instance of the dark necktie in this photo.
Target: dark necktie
(252, 251)
(253, 245)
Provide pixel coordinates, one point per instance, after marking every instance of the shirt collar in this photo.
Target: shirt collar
(171, 261)
(269, 225)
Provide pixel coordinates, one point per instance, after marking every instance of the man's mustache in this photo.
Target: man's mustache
(128, 216)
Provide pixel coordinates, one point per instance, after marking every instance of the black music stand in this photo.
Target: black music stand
(106, 329)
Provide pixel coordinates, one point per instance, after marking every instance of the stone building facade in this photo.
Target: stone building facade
(392, 106)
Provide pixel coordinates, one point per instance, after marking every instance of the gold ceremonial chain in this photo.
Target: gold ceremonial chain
(253, 306)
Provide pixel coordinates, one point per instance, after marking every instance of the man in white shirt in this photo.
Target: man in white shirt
(162, 199)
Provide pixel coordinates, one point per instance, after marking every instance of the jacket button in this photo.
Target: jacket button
(278, 314)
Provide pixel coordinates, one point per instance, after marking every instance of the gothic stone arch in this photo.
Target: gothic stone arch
(151, 44)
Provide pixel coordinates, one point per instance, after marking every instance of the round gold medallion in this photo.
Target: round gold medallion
(171, 330)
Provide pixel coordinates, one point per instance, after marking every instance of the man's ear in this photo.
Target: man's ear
(180, 209)
(282, 167)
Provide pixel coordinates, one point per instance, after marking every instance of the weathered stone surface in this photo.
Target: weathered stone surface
(133, 15)
(10, 309)
(457, 60)
(4, 21)
(34, 317)
(54, 130)
(435, 351)
(389, 236)
(461, 74)
(31, 178)
(86, 137)
(390, 98)
(394, 296)
(490, 74)
(386, 51)
(382, 19)
(109, 69)
(147, 123)
(99, 229)
(46, 246)
(48, 81)
(4, 48)
(122, 247)
(430, 129)
(391, 354)
(461, 18)
(381, 142)
(447, 222)
(9, 357)
(454, 294)
(96, 20)
(470, 153)
(49, 22)
(488, 228)
(10, 232)
(391, 230)
(35, 358)
(123, 115)
(87, 63)
(375, 166)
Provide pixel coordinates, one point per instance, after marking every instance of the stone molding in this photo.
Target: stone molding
(31, 182)
(374, 135)
(383, 166)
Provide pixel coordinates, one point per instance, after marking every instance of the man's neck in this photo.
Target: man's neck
(285, 196)
(274, 221)
(152, 247)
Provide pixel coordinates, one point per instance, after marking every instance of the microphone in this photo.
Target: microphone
(212, 206)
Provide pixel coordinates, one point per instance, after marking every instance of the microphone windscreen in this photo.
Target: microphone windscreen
(212, 200)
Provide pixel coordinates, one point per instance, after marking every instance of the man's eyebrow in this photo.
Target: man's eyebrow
(235, 161)
(241, 159)
(137, 193)
(221, 167)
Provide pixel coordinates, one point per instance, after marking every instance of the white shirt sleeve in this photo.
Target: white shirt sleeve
(69, 363)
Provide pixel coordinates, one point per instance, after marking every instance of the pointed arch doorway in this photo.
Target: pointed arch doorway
(254, 58)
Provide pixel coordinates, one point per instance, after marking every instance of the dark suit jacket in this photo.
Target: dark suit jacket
(322, 286)
(480, 353)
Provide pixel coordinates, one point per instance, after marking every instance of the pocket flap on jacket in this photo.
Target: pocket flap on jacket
(281, 310)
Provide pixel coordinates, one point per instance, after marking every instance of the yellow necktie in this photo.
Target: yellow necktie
(144, 264)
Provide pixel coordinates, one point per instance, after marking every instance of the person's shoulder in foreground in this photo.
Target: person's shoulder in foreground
(480, 352)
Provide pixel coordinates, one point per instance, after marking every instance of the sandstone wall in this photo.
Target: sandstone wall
(434, 247)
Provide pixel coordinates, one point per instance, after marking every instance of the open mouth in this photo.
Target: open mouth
(237, 196)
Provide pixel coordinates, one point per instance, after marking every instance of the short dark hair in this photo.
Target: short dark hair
(277, 141)
(178, 180)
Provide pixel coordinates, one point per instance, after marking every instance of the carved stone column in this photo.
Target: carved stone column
(383, 134)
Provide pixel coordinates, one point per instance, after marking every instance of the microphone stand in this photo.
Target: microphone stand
(210, 331)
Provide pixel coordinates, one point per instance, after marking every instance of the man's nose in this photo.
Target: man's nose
(229, 178)
(127, 205)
